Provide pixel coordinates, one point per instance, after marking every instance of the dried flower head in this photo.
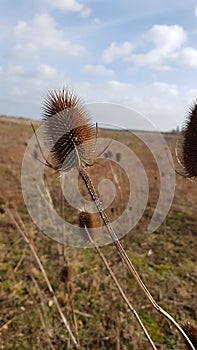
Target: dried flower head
(66, 277)
(66, 274)
(90, 221)
(68, 129)
(191, 332)
(187, 145)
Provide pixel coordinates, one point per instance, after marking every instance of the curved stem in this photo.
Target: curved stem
(63, 318)
(122, 293)
(90, 186)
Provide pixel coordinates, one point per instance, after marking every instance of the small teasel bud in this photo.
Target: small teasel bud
(68, 130)
(187, 145)
(66, 277)
(191, 332)
(91, 222)
(66, 274)
(63, 300)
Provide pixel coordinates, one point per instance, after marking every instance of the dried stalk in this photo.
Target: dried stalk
(88, 182)
(64, 320)
(70, 134)
(122, 293)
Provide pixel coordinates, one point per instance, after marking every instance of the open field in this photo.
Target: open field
(165, 259)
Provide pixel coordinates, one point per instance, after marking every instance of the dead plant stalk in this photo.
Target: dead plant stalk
(63, 318)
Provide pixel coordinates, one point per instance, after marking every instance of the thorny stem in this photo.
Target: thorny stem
(64, 320)
(123, 295)
(90, 186)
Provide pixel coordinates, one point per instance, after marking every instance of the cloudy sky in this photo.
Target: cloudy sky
(137, 53)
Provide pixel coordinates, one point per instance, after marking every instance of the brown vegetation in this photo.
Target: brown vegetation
(165, 259)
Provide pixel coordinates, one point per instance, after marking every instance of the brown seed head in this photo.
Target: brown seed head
(191, 332)
(66, 277)
(90, 221)
(57, 101)
(66, 274)
(68, 129)
(187, 145)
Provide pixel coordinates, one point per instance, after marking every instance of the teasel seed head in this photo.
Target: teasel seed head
(90, 221)
(187, 145)
(191, 332)
(68, 130)
(66, 274)
(66, 278)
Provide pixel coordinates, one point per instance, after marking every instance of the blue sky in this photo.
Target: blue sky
(141, 54)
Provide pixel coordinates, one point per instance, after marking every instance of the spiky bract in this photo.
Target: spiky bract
(187, 145)
(68, 129)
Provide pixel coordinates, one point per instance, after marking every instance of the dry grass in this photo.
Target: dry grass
(165, 259)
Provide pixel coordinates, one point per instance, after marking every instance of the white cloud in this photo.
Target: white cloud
(11, 75)
(22, 51)
(187, 56)
(115, 51)
(45, 71)
(164, 104)
(195, 11)
(98, 69)
(41, 72)
(41, 34)
(27, 88)
(167, 40)
(192, 95)
(125, 93)
(69, 6)
(165, 88)
(168, 48)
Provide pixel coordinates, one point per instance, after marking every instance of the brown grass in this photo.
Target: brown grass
(166, 260)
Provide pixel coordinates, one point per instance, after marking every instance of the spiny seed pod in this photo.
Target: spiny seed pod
(66, 277)
(57, 101)
(62, 300)
(68, 130)
(191, 332)
(66, 274)
(187, 145)
(91, 222)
